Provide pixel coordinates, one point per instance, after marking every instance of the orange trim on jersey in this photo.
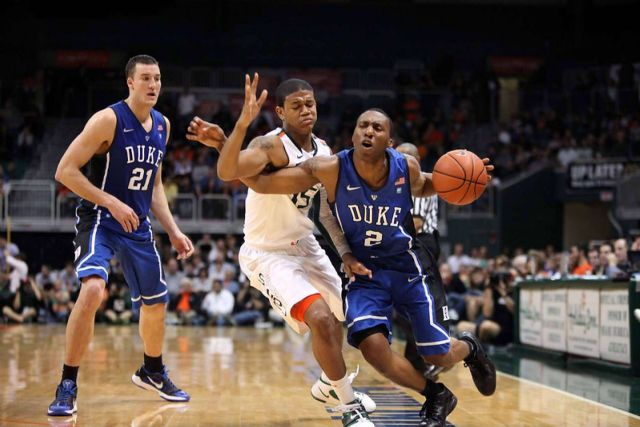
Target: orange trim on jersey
(298, 311)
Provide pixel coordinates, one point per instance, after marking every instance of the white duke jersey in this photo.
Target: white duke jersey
(277, 221)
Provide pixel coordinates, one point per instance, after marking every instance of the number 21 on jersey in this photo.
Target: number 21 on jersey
(137, 175)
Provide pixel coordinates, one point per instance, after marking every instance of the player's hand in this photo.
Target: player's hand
(206, 133)
(352, 266)
(488, 167)
(126, 216)
(182, 244)
(252, 106)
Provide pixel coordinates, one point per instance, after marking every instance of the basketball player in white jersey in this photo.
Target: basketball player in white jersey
(281, 256)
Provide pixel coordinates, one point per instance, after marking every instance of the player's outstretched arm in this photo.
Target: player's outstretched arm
(323, 169)
(95, 138)
(234, 163)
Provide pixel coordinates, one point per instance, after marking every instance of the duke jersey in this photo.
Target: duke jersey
(277, 221)
(128, 169)
(376, 223)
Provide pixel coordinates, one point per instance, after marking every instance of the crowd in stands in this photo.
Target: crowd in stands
(21, 125)
(210, 289)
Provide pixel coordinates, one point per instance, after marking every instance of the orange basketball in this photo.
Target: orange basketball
(459, 177)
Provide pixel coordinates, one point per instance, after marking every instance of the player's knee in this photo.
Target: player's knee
(91, 294)
(321, 321)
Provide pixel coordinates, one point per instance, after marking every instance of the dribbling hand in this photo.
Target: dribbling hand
(488, 167)
(351, 266)
(206, 133)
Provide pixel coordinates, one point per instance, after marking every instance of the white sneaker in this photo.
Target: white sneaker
(354, 415)
(324, 392)
(636, 313)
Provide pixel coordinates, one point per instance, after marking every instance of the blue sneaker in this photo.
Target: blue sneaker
(160, 383)
(65, 402)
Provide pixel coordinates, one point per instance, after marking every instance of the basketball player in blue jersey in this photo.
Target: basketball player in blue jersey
(280, 255)
(124, 145)
(371, 187)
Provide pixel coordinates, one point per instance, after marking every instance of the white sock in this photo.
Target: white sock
(342, 387)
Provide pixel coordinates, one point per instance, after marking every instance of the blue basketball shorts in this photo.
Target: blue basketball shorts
(401, 284)
(95, 245)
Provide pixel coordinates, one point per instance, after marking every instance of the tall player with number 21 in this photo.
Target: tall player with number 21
(124, 145)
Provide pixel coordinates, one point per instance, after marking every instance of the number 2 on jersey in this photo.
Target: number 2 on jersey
(373, 238)
(136, 178)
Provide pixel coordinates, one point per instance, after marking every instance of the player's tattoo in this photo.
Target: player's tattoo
(262, 142)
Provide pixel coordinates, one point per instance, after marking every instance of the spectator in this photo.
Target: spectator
(608, 260)
(230, 283)
(46, 275)
(61, 304)
(185, 303)
(218, 304)
(205, 244)
(578, 263)
(593, 258)
(18, 270)
(118, 308)
(622, 260)
(31, 299)
(497, 308)
(458, 258)
(202, 284)
(250, 306)
(69, 280)
(219, 268)
(173, 277)
(520, 268)
(474, 296)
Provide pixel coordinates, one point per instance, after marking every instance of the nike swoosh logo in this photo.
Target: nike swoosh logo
(322, 393)
(299, 157)
(156, 384)
(411, 279)
(127, 130)
(350, 188)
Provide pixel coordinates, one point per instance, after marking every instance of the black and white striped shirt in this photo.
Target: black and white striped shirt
(427, 208)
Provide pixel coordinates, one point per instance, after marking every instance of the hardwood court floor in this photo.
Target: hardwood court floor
(245, 377)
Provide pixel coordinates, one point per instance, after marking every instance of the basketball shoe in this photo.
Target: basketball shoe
(437, 407)
(160, 383)
(354, 415)
(481, 367)
(323, 392)
(65, 402)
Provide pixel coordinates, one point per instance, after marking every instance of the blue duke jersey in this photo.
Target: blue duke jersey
(379, 227)
(128, 169)
(376, 223)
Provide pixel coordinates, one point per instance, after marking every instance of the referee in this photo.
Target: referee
(425, 221)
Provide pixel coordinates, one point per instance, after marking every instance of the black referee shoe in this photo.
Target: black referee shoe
(482, 369)
(437, 407)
